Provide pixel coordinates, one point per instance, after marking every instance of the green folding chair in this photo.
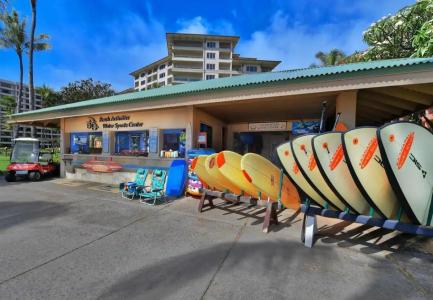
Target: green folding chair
(130, 190)
(156, 190)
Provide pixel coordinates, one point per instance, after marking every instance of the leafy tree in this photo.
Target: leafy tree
(85, 90)
(49, 96)
(404, 34)
(13, 36)
(423, 40)
(8, 105)
(332, 58)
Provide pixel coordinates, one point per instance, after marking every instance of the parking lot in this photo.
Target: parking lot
(77, 240)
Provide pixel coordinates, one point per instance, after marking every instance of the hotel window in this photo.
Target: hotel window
(142, 74)
(211, 44)
(210, 66)
(173, 143)
(136, 83)
(210, 55)
(143, 82)
(251, 68)
(86, 142)
(209, 77)
(162, 75)
(132, 143)
(170, 63)
(161, 67)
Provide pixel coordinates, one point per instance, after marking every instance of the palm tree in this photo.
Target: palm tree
(332, 58)
(35, 44)
(13, 35)
(49, 96)
(7, 105)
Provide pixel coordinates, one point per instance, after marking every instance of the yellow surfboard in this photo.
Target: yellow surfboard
(229, 164)
(303, 152)
(267, 178)
(365, 164)
(328, 151)
(285, 154)
(198, 166)
(218, 178)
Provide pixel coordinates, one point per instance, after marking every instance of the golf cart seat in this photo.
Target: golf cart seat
(129, 190)
(156, 190)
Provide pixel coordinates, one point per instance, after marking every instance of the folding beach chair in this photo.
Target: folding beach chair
(156, 190)
(129, 190)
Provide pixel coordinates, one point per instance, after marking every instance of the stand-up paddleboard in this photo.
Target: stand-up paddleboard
(229, 164)
(329, 154)
(285, 155)
(304, 157)
(363, 158)
(407, 152)
(198, 166)
(218, 177)
(267, 178)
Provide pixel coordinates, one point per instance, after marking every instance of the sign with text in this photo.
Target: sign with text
(270, 126)
(113, 122)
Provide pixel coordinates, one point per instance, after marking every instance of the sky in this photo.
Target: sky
(107, 39)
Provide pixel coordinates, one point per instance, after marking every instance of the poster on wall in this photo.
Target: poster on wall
(304, 127)
(153, 140)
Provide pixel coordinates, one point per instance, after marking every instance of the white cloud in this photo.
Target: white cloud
(296, 44)
(200, 25)
(194, 25)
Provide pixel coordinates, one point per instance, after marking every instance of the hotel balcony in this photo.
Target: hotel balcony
(185, 79)
(188, 68)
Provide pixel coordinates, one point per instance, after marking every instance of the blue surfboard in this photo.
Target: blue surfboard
(176, 180)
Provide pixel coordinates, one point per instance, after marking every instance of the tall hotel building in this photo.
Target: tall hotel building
(194, 57)
(49, 137)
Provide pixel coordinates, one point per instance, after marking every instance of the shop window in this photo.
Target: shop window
(208, 130)
(132, 143)
(86, 142)
(173, 142)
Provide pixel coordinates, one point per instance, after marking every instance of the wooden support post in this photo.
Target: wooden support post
(271, 216)
(203, 198)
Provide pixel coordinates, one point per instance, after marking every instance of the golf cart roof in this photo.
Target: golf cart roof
(26, 139)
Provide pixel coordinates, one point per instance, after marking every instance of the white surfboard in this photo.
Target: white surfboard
(365, 164)
(303, 153)
(328, 151)
(285, 154)
(407, 151)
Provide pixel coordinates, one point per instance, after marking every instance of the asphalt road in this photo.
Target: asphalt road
(66, 240)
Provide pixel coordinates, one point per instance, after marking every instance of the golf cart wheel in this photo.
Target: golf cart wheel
(35, 176)
(10, 177)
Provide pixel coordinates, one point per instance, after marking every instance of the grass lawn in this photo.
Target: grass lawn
(4, 161)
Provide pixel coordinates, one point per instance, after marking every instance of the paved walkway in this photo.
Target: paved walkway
(71, 240)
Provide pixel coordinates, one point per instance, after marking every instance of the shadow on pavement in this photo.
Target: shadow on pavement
(15, 213)
(166, 277)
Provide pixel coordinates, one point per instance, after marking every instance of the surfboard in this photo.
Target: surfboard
(407, 152)
(198, 166)
(285, 155)
(329, 154)
(218, 178)
(360, 147)
(270, 180)
(304, 157)
(229, 164)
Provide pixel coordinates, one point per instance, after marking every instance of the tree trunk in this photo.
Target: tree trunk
(15, 130)
(31, 49)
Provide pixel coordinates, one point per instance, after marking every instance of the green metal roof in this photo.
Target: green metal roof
(237, 81)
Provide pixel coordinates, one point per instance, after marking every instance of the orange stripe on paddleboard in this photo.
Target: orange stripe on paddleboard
(337, 158)
(194, 163)
(404, 152)
(247, 176)
(220, 160)
(368, 153)
(295, 168)
(312, 163)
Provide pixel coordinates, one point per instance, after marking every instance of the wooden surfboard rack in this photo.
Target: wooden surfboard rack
(271, 216)
(309, 225)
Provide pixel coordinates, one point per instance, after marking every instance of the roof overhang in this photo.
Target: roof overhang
(171, 36)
